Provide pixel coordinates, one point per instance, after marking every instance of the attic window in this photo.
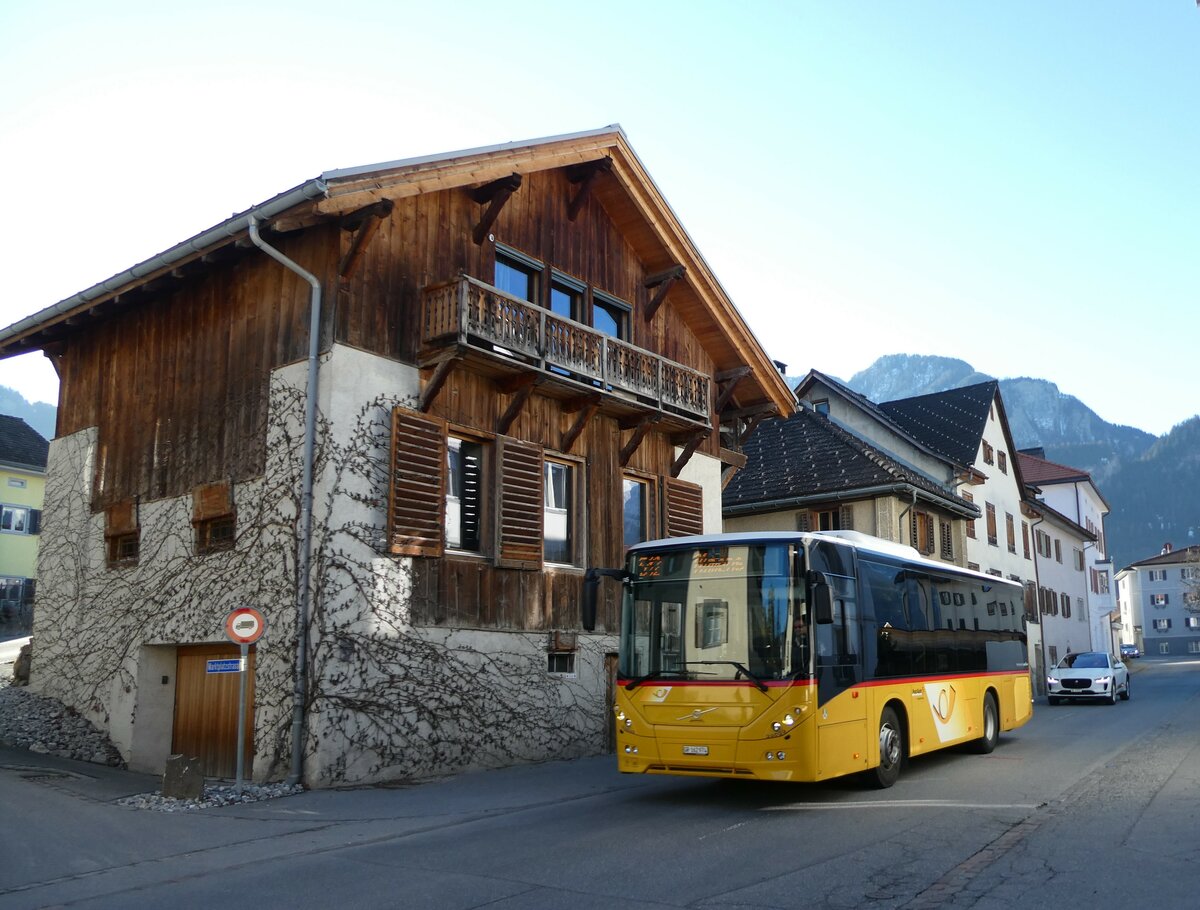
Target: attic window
(822, 406)
(988, 456)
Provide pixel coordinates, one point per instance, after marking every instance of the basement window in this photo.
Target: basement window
(561, 663)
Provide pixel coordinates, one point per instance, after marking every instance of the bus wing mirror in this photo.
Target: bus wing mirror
(822, 603)
(591, 581)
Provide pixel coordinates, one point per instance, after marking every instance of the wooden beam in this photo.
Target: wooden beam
(515, 382)
(688, 451)
(640, 429)
(663, 281)
(766, 409)
(524, 388)
(727, 473)
(585, 414)
(730, 457)
(365, 222)
(585, 175)
(440, 374)
(731, 378)
(497, 193)
(359, 217)
(749, 427)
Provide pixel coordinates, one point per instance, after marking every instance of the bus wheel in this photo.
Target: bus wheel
(891, 750)
(991, 726)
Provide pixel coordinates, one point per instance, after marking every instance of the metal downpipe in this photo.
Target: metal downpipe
(304, 541)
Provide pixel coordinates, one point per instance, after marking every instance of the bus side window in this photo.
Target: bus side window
(885, 589)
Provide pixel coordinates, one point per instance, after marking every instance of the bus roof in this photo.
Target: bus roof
(864, 543)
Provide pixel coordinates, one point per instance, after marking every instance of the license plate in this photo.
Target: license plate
(695, 750)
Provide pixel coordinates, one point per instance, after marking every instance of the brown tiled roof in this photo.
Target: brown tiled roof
(1038, 471)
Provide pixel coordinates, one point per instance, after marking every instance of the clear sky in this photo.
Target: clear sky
(1016, 184)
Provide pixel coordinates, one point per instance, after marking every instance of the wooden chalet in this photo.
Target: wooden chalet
(561, 371)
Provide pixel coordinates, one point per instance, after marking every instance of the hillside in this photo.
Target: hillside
(37, 414)
(1152, 484)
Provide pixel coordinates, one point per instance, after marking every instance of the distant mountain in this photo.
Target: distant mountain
(1152, 484)
(37, 414)
(1155, 499)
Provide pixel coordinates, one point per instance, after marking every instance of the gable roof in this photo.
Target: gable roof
(949, 422)
(1174, 557)
(21, 445)
(866, 405)
(629, 196)
(1041, 472)
(807, 457)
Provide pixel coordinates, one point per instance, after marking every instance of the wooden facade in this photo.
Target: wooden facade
(173, 369)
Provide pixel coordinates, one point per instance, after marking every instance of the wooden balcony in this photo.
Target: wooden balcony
(515, 335)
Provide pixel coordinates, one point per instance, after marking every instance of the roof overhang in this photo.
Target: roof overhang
(627, 194)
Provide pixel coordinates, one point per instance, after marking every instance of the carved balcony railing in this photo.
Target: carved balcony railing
(468, 312)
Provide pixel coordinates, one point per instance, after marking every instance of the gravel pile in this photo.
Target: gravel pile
(46, 726)
(225, 795)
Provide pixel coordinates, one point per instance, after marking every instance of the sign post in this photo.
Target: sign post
(244, 626)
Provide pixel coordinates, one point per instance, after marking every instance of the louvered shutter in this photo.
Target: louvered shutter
(417, 495)
(928, 551)
(685, 508)
(520, 504)
(35, 521)
(804, 521)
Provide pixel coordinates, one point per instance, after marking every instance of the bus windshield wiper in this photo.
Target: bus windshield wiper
(762, 687)
(653, 674)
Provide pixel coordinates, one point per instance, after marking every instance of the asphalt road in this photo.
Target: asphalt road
(1089, 805)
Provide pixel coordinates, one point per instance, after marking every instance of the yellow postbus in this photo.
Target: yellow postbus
(808, 656)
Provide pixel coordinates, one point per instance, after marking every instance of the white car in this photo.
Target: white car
(1088, 674)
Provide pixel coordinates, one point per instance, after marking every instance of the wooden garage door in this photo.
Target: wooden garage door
(206, 709)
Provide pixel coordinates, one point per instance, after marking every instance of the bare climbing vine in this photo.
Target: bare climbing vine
(384, 698)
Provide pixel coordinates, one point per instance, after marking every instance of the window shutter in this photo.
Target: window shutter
(35, 521)
(685, 508)
(928, 551)
(212, 500)
(846, 518)
(520, 506)
(417, 494)
(804, 521)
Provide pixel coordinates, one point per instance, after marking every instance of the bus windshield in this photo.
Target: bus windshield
(712, 613)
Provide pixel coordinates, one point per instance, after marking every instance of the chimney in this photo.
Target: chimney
(1166, 548)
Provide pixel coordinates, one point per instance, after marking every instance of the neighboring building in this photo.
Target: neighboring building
(968, 427)
(1059, 545)
(523, 364)
(22, 487)
(805, 472)
(1075, 496)
(1162, 597)
(912, 521)
(960, 439)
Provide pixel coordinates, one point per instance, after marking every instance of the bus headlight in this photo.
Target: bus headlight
(777, 726)
(788, 720)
